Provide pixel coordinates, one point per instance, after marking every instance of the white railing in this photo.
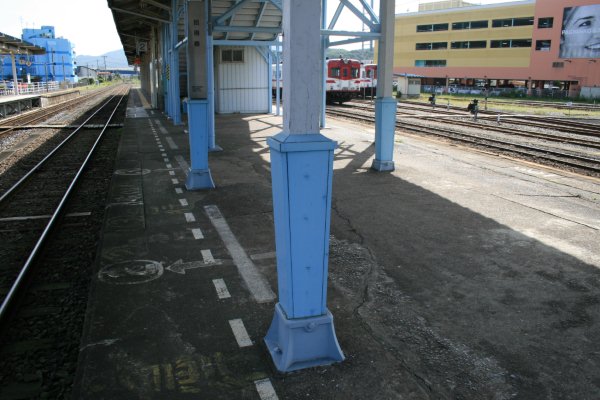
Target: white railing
(7, 87)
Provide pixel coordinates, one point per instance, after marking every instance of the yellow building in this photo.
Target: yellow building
(497, 45)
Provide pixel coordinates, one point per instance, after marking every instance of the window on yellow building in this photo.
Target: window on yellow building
(506, 43)
(472, 44)
(509, 22)
(430, 63)
(432, 27)
(469, 25)
(431, 46)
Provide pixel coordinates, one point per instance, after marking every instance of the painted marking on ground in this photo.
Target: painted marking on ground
(182, 163)
(256, 283)
(178, 190)
(197, 232)
(263, 256)
(163, 130)
(265, 389)
(240, 333)
(221, 289)
(168, 165)
(207, 256)
(175, 181)
(189, 217)
(171, 143)
(183, 202)
(172, 173)
(163, 154)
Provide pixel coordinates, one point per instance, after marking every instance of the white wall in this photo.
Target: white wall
(241, 87)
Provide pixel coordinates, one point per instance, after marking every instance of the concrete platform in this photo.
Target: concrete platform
(459, 275)
(12, 105)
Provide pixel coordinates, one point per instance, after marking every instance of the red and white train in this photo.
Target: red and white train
(346, 79)
(369, 79)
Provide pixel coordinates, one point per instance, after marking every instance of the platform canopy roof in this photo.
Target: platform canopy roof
(13, 45)
(232, 20)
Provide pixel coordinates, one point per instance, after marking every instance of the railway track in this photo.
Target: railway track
(581, 134)
(580, 161)
(42, 273)
(563, 124)
(25, 120)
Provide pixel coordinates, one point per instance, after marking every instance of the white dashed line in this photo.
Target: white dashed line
(183, 202)
(189, 217)
(197, 232)
(182, 163)
(168, 165)
(207, 257)
(265, 389)
(221, 288)
(178, 190)
(163, 154)
(171, 143)
(255, 281)
(171, 172)
(240, 333)
(175, 181)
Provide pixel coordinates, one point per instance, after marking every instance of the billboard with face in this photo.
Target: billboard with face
(580, 36)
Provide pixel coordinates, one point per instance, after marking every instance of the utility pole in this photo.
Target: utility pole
(46, 72)
(104, 62)
(53, 63)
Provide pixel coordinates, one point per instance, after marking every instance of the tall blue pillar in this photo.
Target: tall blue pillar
(166, 70)
(175, 97)
(212, 145)
(385, 105)
(200, 121)
(302, 334)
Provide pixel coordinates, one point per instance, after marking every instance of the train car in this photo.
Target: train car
(343, 79)
(369, 80)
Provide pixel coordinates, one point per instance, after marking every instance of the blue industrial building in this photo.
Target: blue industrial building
(55, 65)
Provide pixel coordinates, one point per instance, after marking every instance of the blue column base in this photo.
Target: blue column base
(216, 148)
(199, 179)
(382, 166)
(302, 343)
(385, 128)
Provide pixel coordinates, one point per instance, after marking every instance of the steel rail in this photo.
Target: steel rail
(11, 293)
(492, 143)
(553, 123)
(49, 155)
(42, 113)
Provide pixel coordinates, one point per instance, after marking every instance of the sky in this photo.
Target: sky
(90, 27)
(87, 24)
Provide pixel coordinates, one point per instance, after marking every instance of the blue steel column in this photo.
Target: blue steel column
(166, 66)
(302, 334)
(270, 80)
(385, 104)
(212, 146)
(175, 92)
(199, 115)
(324, 40)
(277, 81)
